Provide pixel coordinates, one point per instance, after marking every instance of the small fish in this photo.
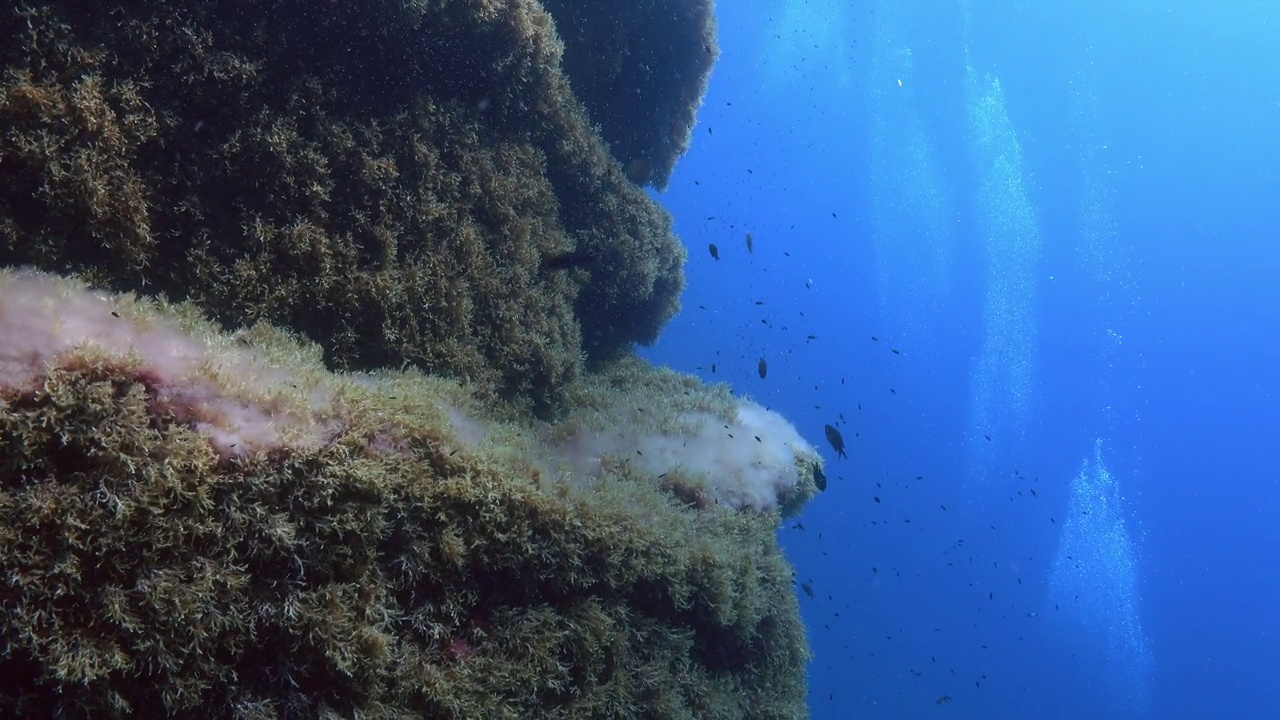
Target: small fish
(942, 700)
(762, 367)
(713, 368)
(715, 251)
(835, 438)
(895, 351)
(819, 479)
(807, 587)
(751, 244)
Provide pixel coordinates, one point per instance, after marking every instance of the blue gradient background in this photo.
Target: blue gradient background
(1153, 128)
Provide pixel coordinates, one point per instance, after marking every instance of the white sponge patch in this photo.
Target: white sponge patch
(750, 463)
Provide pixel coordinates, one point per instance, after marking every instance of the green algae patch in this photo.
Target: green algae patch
(426, 554)
(661, 51)
(398, 182)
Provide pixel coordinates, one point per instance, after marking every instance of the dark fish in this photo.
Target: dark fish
(713, 368)
(942, 700)
(818, 478)
(715, 251)
(807, 588)
(762, 367)
(751, 244)
(895, 351)
(836, 439)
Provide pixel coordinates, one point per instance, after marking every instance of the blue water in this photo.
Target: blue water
(1064, 217)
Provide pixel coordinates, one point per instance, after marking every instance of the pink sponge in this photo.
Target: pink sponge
(229, 394)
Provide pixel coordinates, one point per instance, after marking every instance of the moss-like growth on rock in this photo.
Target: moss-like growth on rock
(400, 182)
(700, 442)
(661, 53)
(418, 560)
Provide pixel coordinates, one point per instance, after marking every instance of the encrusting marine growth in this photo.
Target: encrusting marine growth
(190, 519)
(317, 392)
(401, 182)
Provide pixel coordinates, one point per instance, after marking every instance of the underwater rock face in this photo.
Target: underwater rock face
(701, 443)
(661, 52)
(400, 182)
(237, 399)
(422, 556)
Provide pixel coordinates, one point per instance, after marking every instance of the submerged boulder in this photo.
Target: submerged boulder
(400, 182)
(201, 524)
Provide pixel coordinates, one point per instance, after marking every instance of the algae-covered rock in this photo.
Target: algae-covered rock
(401, 182)
(661, 51)
(386, 544)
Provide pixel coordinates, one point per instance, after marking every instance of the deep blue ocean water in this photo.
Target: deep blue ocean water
(1064, 218)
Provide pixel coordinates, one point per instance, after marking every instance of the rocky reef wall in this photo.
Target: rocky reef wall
(195, 524)
(338, 416)
(401, 182)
